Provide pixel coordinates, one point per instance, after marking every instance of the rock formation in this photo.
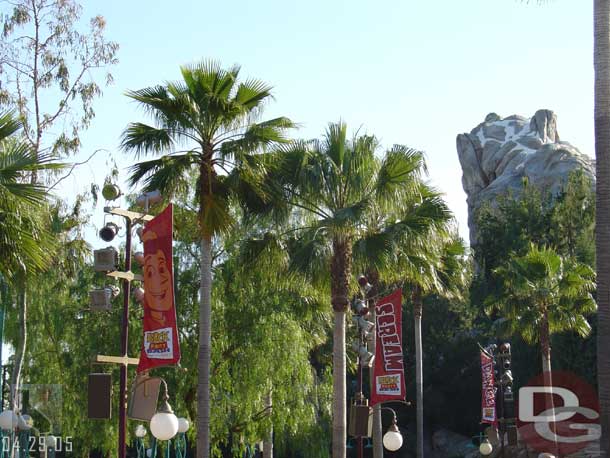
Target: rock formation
(500, 152)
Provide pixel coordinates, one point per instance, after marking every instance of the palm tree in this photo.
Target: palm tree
(543, 294)
(342, 195)
(206, 124)
(601, 16)
(441, 271)
(20, 233)
(26, 245)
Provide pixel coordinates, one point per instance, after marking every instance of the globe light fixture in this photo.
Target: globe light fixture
(8, 420)
(485, 448)
(111, 191)
(183, 425)
(25, 422)
(392, 439)
(140, 431)
(109, 232)
(164, 424)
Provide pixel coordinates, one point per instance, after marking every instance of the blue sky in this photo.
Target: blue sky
(411, 72)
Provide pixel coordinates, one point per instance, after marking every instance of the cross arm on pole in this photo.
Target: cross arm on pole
(133, 216)
(124, 360)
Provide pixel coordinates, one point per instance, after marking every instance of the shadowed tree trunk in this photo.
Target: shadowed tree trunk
(418, 310)
(203, 363)
(268, 441)
(340, 272)
(20, 351)
(601, 13)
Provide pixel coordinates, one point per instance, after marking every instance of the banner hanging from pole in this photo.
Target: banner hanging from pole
(160, 346)
(388, 369)
(488, 390)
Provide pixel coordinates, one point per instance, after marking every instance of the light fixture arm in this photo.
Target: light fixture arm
(394, 425)
(165, 407)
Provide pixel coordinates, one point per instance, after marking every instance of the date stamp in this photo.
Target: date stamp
(38, 443)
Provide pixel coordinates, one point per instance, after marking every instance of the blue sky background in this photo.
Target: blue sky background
(415, 72)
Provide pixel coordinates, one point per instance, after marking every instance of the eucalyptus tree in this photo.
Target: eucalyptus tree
(340, 195)
(50, 63)
(542, 294)
(207, 123)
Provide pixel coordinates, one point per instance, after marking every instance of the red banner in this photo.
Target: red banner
(388, 371)
(488, 390)
(160, 345)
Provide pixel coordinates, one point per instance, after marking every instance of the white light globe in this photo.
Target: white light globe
(25, 422)
(392, 440)
(485, 448)
(8, 420)
(140, 431)
(164, 425)
(183, 425)
(546, 455)
(50, 442)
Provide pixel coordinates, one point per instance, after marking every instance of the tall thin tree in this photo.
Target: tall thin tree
(207, 124)
(342, 194)
(601, 65)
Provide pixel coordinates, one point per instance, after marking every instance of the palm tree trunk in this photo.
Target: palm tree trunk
(205, 346)
(601, 13)
(268, 441)
(340, 272)
(20, 351)
(419, 374)
(545, 345)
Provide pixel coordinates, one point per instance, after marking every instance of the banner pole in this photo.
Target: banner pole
(124, 342)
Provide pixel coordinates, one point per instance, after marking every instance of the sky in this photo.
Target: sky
(412, 72)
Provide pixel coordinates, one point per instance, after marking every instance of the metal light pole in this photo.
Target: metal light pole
(124, 342)
(123, 360)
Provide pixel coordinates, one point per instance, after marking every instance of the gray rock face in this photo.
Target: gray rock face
(500, 152)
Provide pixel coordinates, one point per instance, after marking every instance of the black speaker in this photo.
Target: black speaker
(100, 396)
(359, 420)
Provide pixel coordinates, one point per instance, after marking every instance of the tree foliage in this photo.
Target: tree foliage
(49, 62)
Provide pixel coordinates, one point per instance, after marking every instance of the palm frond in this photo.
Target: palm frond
(168, 174)
(142, 139)
(9, 124)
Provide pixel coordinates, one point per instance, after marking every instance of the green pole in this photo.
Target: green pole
(180, 445)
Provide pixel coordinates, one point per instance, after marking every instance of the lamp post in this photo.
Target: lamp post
(164, 424)
(107, 233)
(392, 439)
(180, 441)
(140, 433)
